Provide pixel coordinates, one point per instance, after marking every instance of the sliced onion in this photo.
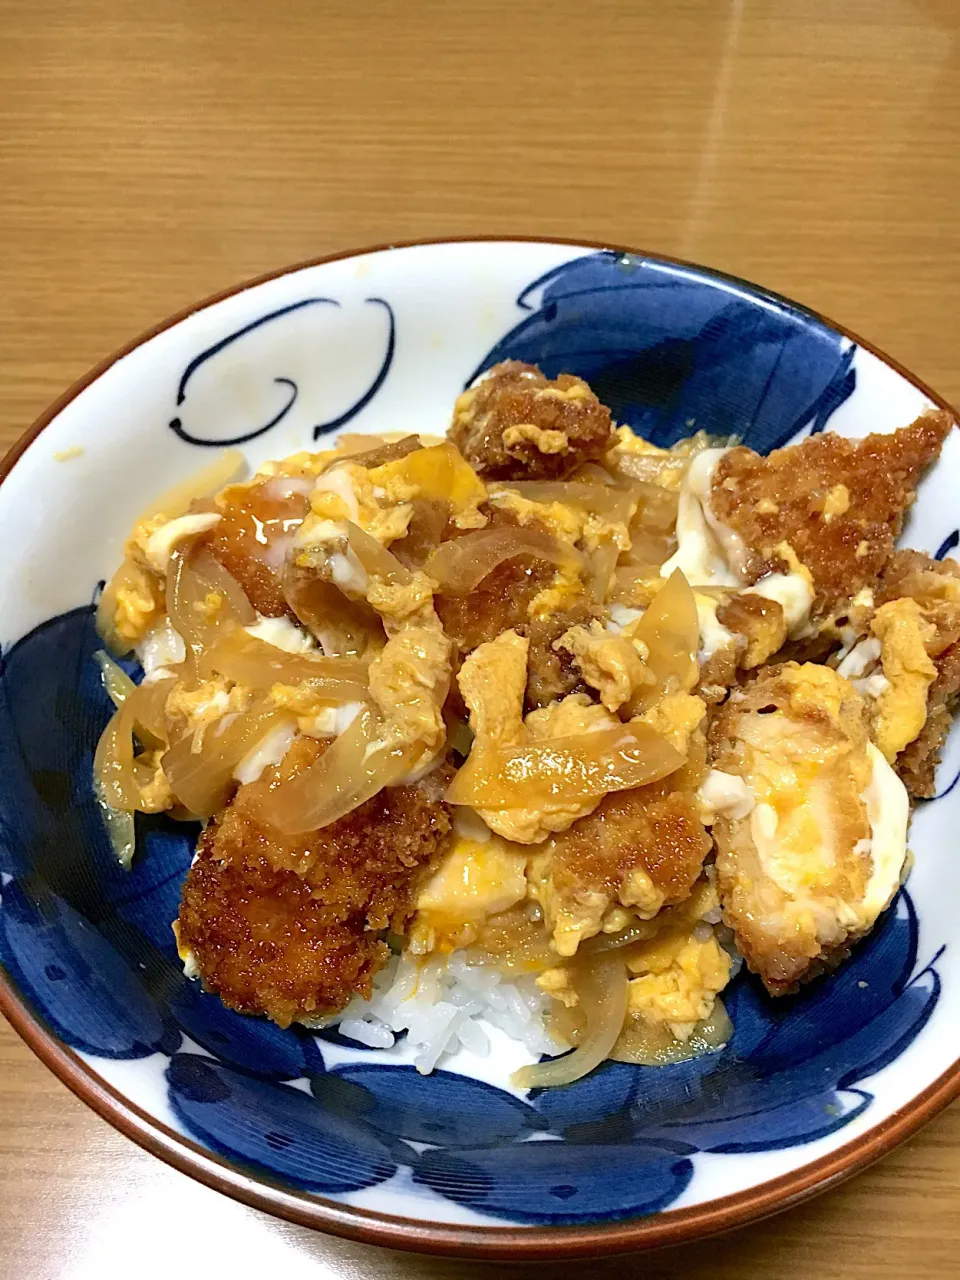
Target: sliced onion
(424, 532)
(656, 508)
(607, 499)
(349, 772)
(120, 828)
(118, 774)
(382, 452)
(376, 559)
(571, 768)
(209, 479)
(148, 707)
(345, 628)
(202, 780)
(249, 661)
(458, 565)
(131, 577)
(602, 990)
(193, 576)
(116, 682)
(670, 628)
(602, 563)
(653, 1044)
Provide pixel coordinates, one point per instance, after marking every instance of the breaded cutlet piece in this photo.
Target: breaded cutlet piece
(795, 873)
(552, 673)
(759, 629)
(839, 503)
(516, 425)
(501, 602)
(292, 926)
(935, 585)
(249, 515)
(642, 848)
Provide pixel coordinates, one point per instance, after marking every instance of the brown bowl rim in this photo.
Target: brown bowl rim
(670, 1227)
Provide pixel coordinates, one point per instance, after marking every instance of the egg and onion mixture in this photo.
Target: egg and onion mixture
(589, 710)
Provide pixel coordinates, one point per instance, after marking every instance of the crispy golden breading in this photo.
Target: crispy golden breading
(515, 425)
(499, 603)
(759, 630)
(641, 849)
(655, 828)
(793, 874)
(839, 503)
(759, 622)
(551, 673)
(251, 517)
(291, 926)
(265, 945)
(935, 584)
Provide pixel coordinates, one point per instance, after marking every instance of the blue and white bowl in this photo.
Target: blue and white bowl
(316, 1128)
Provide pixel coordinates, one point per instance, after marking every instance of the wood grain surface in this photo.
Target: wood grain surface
(153, 151)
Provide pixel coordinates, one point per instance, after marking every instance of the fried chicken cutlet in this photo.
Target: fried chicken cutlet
(839, 503)
(514, 424)
(935, 586)
(293, 927)
(638, 851)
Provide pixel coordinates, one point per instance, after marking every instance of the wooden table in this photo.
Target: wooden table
(151, 153)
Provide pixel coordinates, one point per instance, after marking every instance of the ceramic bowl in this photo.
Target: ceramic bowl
(316, 1128)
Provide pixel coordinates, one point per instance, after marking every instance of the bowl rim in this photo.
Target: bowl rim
(669, 1227)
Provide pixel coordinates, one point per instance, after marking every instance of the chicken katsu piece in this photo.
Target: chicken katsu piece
(811, 830)
(838, 503)
(251, 539)
(638, 851)
(292, 927)
(907, 663)
(514, 424)
(499, 602)
(502, 601)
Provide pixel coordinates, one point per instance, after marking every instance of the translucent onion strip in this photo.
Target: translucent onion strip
(602, 990)
(116, 682)
(376, 559)
(120, 828)
(353, 769)
(670, 628)
(202, 780)
(608, 500)
(115, 767)
(249, 661)
(570, 768)
(193, 579)
(458, 565)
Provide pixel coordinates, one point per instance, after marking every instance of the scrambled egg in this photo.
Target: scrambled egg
(677, 716)
(675, 971)
(614, 665)
(492, 680)
(134, 602)
(199, 708)
(347, 492)
(572, 916)
(678, 979)
(476, 879)
(901, 707)
(380, 499)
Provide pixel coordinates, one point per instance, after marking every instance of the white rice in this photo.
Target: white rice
(442, 1004)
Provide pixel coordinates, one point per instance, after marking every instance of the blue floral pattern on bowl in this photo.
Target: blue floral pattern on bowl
(89, 949)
